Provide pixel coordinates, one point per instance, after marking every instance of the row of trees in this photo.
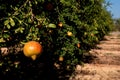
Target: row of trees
(117, 24)
(65, 28)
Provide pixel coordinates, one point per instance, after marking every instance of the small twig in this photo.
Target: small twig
(20, 7)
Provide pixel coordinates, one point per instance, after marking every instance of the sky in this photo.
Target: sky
(114, 8)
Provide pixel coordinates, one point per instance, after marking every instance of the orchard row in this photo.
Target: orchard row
(65, 28)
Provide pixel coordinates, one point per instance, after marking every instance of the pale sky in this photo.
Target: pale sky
(114, 8)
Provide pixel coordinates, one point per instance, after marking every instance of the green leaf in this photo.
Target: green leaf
(12, 22)
(2, 40)
(95, 32)
(51, 25)
(6, 22)
(17, 30)
(8, 26)
(20, 29)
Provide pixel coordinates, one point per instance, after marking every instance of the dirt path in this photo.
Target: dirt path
(106, 65)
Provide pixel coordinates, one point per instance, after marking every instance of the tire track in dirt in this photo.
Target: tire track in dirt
(106, 65)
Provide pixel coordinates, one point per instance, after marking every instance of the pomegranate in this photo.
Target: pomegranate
(32, 49)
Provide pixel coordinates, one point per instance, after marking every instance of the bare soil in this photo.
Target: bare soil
(106, 64)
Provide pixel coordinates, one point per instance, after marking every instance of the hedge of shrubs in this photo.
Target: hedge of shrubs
(65, 28)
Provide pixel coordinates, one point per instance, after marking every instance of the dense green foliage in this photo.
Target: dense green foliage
(117, 24)
(25, 20)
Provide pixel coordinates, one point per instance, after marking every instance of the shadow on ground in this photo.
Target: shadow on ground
(18, 67)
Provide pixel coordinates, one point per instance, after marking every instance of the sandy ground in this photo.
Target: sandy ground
(106, 65)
